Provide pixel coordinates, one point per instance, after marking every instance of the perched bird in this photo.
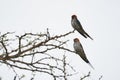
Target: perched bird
(77, 26)
(79, 50)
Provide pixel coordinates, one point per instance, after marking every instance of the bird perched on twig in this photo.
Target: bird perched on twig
(77, 26)
(79, 50)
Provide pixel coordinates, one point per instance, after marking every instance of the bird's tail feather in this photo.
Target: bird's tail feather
(89, 36)
(82, 34)
(91, 65)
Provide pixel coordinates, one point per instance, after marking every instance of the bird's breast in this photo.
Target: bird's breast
(74, 24)
(77, 47)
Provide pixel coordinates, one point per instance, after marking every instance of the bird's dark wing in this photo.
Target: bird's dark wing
(79, 28)
(82, 31)
(79, 24)
(83, 55)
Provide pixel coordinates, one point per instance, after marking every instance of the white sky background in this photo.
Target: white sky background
(100, 18)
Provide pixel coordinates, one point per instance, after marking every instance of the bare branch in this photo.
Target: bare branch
(88, 75)
(100, 77)
(37, 49)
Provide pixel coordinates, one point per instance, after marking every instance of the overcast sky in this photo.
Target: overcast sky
(100, 18)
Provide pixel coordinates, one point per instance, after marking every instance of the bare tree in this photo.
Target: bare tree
(32, 52)
(13, 51)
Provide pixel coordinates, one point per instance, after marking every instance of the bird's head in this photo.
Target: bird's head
(76, 40)
(74, 16)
